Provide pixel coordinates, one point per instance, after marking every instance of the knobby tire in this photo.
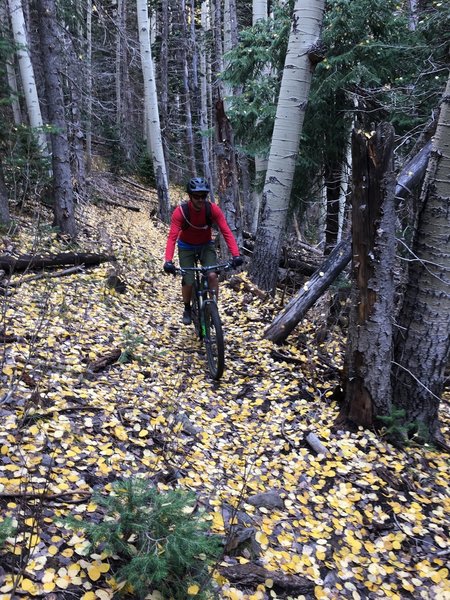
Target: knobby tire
(214, 344)
(195, 315)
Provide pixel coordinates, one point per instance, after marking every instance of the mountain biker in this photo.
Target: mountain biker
(191, 232)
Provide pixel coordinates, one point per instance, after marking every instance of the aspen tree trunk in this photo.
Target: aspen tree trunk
(296, 81)
(88, 85)
(119, 33)
(224, 153)
(333, 175)
(204, 81)
(154, 141)
(343, 204)
(27, 73)
(62, 176)
(423, 336)
(164, 66)
(260, 11)
(370, 338)
(190, 150)
(230, 39)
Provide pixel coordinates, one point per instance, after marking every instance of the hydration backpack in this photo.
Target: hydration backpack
(186, 223)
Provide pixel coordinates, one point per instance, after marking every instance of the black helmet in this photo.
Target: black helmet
(197, 184)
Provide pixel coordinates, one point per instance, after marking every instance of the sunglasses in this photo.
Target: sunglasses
(199, 196)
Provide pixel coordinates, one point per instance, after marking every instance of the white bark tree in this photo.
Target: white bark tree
(88, 85)
(260, 9)
(151, 110)
(296, 81)
(27, 73)
(204, 86)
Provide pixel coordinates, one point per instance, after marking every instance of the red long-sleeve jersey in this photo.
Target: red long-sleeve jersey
(198, 236)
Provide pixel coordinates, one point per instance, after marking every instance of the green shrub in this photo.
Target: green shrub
(131, 341)
(401, 432)
(7, 529)
(161, 540)
(144, 169)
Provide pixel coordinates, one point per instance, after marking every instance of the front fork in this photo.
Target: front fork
(205, 296)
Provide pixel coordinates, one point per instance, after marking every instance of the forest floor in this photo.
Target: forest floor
(366, 520)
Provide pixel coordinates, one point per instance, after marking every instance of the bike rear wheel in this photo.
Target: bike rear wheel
(214, 343)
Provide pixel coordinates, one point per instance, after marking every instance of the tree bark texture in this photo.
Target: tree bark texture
(4, 204)
(153, 127)
(204, 85)
(185, 44)
(423, 336)
(30, 262)
(320, 281)
(227, 180)
(295, 84)
(27, 73)
(370, 338)
(62, 177)
(333, 175)
(336, 262)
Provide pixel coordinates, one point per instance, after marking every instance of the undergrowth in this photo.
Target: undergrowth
(160, 538)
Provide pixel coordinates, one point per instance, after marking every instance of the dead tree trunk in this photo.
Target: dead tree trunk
(370, 339)
(336, 262)
(32, 262)
(285, 322)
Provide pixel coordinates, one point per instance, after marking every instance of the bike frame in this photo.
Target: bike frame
(206, 315)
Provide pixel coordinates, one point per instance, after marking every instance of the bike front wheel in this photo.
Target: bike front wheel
(214, 343)
(196, 318)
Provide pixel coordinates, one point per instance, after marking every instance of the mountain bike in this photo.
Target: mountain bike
(205, 316)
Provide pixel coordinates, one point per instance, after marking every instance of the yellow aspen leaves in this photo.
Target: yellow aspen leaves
(94, 573)
(96, 569)
(193, 589)
(441, 575)
(28, 586)
(262, 539)
(120, 433)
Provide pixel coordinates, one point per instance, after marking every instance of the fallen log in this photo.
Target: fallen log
(24, 262)
(105, 361)
(63, 273)
(251, 575)
(338, 259)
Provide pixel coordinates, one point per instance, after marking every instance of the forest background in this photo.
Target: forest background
(164, 90)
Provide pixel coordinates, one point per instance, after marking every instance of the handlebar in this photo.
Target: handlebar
(204, 270)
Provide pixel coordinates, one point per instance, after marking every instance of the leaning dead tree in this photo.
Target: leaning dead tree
(369, 349)
(295, 310)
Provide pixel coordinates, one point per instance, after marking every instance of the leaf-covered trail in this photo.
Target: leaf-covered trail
(365, 521)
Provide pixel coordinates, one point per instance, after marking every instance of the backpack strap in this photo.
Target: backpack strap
(186, 223)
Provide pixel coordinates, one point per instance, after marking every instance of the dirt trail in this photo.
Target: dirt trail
(357, 523)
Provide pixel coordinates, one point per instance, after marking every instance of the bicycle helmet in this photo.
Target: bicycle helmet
(196, 185)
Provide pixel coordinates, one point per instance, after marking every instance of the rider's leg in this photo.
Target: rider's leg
(186, 292)
(208, 258)
(186, 259)
(214, 283)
